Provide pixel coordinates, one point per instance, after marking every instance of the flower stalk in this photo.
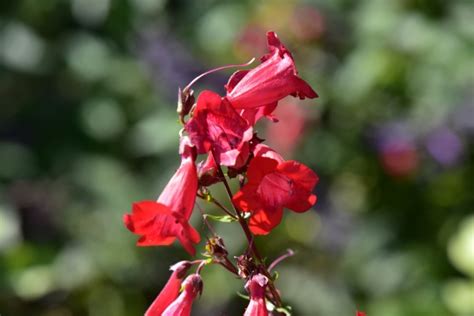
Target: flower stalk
(223, 128)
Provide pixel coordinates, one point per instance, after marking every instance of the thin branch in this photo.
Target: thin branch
(219, 205)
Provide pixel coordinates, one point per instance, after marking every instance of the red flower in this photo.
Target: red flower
(274, 184)
(182, 305)
(262, 150)
(217, 127)
(160, 223)
(254, 114)
(170, 291)
(269, 82)
(256, 287)
(180, 192)
(360, 314)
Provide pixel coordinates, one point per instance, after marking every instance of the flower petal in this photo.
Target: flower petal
(263, 221)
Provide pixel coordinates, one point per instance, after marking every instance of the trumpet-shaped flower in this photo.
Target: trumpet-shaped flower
(161, 222)
(170, 291)
(272, 185)
(256, 287)
(192, 286)
(217, 127)
(275, 78)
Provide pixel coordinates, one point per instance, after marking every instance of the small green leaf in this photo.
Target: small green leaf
(275, 275)
(221, 218)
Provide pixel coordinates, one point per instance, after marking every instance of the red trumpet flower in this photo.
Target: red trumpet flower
(170, 291)
(160, 223)
(183, 304)
(256, 287)
(217, 127)
(272, 185)
(269, 82)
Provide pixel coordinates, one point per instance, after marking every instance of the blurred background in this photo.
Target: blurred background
(88, 125)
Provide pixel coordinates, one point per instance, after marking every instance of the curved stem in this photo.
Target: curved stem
(288, 253)
(217, 69)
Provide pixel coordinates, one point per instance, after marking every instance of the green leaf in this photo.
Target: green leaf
(275, 275)
(221, 218)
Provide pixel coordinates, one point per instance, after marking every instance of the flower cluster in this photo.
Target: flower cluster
(222, 128)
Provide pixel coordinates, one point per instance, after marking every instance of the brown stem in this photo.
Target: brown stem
(242, 221)
(229, 266)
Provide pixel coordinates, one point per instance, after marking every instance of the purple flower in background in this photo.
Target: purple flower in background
(445, 146)
(397, 150)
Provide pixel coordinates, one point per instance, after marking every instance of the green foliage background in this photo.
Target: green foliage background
(88, 125)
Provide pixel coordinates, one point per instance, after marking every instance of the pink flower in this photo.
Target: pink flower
(217, 127)
(272, 185)
(170, 291)
(256, 287)
(183, 304)
(269, 82)
(160, 223)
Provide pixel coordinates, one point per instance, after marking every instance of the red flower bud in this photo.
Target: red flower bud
(256, 287)
(183, 304)
(170, 291)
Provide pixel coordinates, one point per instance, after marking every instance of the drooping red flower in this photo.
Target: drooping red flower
(180, 192)
(183, 304)
(256, 287)
(170, 291)
(217, 127)
(360, 313)
(160, 223)
(269, 82)
(272, 185)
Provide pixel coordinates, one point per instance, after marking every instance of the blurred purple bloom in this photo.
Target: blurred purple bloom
(445, 146)
(397, 150)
